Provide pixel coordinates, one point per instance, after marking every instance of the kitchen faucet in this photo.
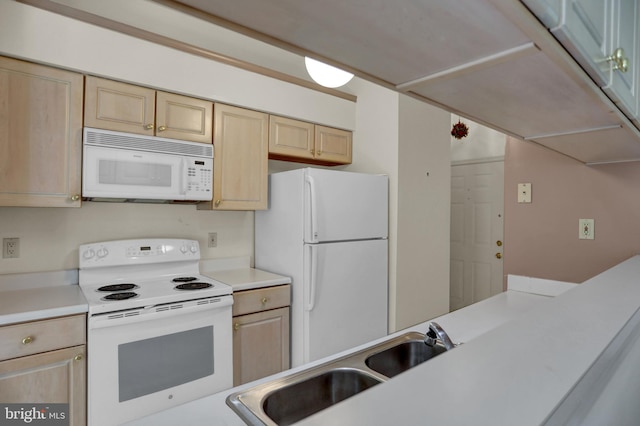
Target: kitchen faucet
(436, 332)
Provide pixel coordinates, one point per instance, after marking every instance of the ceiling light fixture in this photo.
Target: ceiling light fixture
(326, 75)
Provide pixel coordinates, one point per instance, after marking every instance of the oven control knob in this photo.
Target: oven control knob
(193, 248)
(102, 252)
(88, 254)
(184, 249)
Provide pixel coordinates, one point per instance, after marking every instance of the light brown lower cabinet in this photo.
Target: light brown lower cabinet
(261, 342)
(55, 374)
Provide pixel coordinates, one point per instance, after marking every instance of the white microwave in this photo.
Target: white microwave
(127, 167)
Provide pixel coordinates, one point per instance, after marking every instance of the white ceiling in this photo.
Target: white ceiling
(395, 41)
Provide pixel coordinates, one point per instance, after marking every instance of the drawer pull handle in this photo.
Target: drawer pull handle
(264, 300)
(27, 340)
(78, 357)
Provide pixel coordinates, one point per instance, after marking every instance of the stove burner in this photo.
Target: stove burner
(183, 279)
(120, 296)
(193, 286)
(117, 287)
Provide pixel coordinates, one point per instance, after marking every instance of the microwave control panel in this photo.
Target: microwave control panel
(199, 179)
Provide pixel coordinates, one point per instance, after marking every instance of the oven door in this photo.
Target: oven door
(144, 361)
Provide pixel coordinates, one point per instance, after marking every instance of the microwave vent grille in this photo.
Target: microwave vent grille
(146, 143)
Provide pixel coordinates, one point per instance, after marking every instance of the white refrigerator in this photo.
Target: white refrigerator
(328, 231)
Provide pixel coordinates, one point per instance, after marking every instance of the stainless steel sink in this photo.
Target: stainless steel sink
(291, 398)
(393, 361)
(303, 398)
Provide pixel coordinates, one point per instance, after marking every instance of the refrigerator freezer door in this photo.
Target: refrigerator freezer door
(347, 304)
(342, 206)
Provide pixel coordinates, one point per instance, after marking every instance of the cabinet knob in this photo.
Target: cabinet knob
(318, 153)
(499, 255)
(217, 203)
(236, 326)
(499, 243)
(264, 300)
(148, 127)
(75, 197)
(78, 357)
(619, 59)
(27, 340)
(162, 128)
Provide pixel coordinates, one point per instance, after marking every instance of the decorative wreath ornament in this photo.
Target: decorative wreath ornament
(459, 130)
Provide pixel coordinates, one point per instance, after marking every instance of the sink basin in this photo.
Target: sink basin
(291, 398)
(294, 402)
(397, 359)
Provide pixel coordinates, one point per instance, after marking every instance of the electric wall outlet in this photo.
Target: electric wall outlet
(10, 248)
(213, 239)
(524, 193)
(586, 229)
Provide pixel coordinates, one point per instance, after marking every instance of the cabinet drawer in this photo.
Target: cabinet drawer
(261, 299)
(42, 336)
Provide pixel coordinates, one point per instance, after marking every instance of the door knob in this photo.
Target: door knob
(499, 255)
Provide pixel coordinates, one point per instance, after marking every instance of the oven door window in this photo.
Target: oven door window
(151, 365)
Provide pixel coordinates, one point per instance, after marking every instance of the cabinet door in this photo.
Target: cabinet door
(240, 163)
(623, 85)
(290, 138)
(585, 32)
(333, 145)
(182, 117)
(40, 135)
(122, 107)
(57, 377)
(260, 345)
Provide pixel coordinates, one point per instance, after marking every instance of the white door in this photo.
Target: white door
(477, 205)
(345, 296)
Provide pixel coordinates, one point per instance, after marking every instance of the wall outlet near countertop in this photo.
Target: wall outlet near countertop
(213, 239)
(10, 248)
(586, 229)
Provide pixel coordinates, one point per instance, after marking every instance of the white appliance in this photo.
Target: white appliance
(328, 230)
(159, 333)
(125, 166)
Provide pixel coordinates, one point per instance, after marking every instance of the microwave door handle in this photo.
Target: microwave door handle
(183, 176)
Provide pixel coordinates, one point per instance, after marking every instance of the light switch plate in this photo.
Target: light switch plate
(524, 193)
(586, 229)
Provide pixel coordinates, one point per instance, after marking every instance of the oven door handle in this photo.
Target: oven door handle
(153, 312)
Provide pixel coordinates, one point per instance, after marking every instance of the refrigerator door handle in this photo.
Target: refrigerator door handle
(311, 303)
(313, 212)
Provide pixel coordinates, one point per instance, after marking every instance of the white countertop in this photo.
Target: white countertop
(40, 295)
(247, 278)
(237, 273)
(463, 326)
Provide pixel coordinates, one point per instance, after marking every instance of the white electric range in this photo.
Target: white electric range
(159, 333)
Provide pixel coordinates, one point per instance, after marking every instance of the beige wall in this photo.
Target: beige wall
(424, 194)
(541, 238)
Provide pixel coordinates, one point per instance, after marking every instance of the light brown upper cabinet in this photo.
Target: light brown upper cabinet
(295, 140)
(240, 163)
(125, 107)
(40, 135)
